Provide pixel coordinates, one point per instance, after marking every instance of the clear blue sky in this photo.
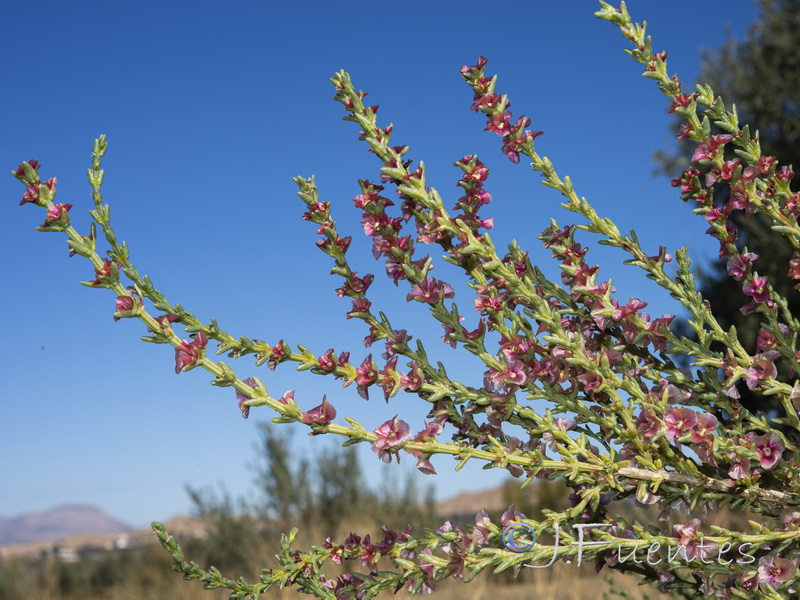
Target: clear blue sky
(209, 113)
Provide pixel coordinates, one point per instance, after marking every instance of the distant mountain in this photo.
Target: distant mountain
(466, 504)
(58, 523)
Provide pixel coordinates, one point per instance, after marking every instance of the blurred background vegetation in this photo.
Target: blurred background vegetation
(324, 498)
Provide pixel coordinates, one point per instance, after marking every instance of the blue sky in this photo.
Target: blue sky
(209, 113)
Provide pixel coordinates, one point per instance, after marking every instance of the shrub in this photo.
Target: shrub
(624, 419)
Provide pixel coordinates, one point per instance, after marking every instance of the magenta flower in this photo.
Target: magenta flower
(708, 149)
(355, 286)
(756, 287)
(784, 174)
(242, 398)
(474, 69)
(682, 101)
(321, 415)
(739, 265)
(360, 306)
(431, 291)
(277, 354)
(769, 448)
(499, 122)
(188, 354)
(728, 170)
(31, 195)
(678, 420)
(390, 436)
(513, 144)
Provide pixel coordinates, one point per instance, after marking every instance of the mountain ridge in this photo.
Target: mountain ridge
(64, 520)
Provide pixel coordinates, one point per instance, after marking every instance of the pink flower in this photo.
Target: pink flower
(321, 415)
(708, 149)
(648, 424)
(513, 374)
(688, 538)
(682, 101)
(678, 420)
(33, 192)
(428, 434)
(763, 368)
(57, 216)
(512, 144)
(188, 354)
(478, 68)
(413, 381)
(288, 398)
(511, 515)
(127, 306)
(106, 274)
(729, 169)
(767, 340)
(431, 291)
(355, 286)
(398, 341)
(481, 531)
(784, 174)
(775, 571)
(366, 375)
(390, 436)
(703, 432)
(277, 354)
(769, 448)
(499, 123)
(740, 467)
(242, 398)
